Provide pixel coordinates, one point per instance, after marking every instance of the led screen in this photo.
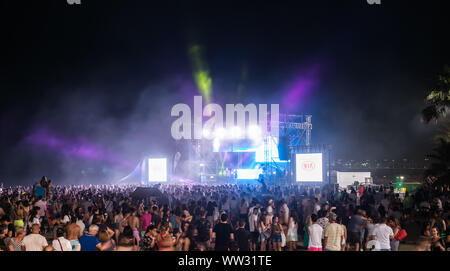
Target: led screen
(157, 169)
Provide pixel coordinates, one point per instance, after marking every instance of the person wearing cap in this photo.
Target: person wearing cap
(334, 234)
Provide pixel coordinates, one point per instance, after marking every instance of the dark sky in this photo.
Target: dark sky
(104, 75)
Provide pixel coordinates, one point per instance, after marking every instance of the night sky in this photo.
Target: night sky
(89, 88)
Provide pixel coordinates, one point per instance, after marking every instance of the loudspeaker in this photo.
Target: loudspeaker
(283, 148)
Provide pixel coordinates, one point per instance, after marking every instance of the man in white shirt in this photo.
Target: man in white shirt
(61, 243)
(253, 227)
(383, 234)
(315, 232)
(284, 212)
(270, 209)
(34, 241)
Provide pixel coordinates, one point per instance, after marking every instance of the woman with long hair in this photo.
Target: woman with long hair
(264, 231)
(166, 241)
(189, 241)
(437, 243)
(344, 240)
(117, 219)
(182, 236)
(292, 232)
(395, 225)
(276, 233)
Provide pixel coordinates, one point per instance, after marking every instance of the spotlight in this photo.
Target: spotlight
(236, 132)
(216, 144)
(220, 133)
(254, 132)
(206, 133)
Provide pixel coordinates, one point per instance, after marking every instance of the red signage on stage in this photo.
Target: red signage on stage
(309, 165)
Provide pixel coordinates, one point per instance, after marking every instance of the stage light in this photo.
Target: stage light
(216, 144)
(235, 132)
(202, 165)
(248, 174)
(254, 132)
(206, 133)
(220, 133)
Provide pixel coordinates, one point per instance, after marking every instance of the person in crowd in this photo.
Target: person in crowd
(89, 240)
(166, 241)
(437, 243)
(204, 230)
(395, 225)
(76, 208)
(223, 234)
(423, 244)
(190, 243)
(146, 220)
(253, 226)
(74, 232)
(4, 239)
(106, 241)
(357, 223)
(292, 232)
(34, 241)
(276, 233)
(149, 239)
(315, 232)
(16, 243)
(243, 209)
(334, 234)
(49, 248)
(265, 231)
(61, 243)
(344, 230)
(133, 222)
(383, 234)
(308, 223)
(243, 236)
(80, 223)
(125, 244)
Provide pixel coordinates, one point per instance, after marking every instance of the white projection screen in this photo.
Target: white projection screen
(309, 167)
(157, 170)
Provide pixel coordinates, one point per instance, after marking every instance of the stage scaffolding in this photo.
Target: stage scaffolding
(295, 130)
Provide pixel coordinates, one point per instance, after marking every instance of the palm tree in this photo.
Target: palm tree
(440, 157)
(438, 103)
(438, 100)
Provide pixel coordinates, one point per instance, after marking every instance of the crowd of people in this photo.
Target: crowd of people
(44, 217)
